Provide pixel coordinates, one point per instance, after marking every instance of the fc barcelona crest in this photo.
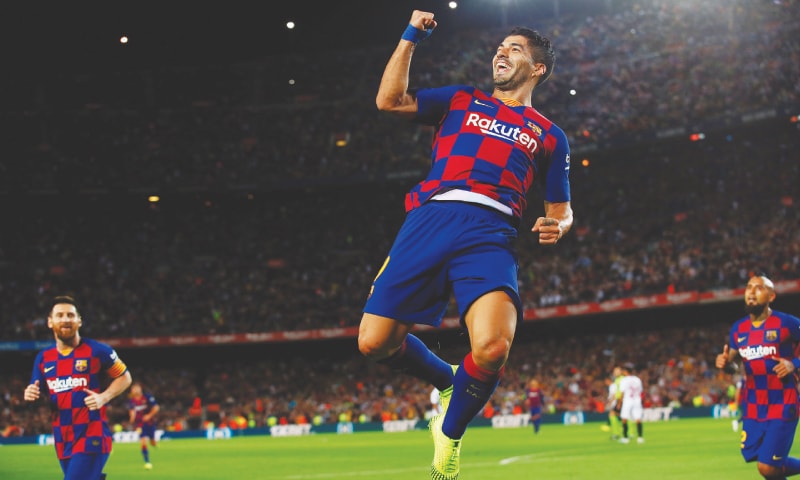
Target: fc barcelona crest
(771, 335)
(81, 365)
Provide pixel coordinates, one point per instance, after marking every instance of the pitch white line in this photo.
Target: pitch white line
(509, 460)
(559, 455)
(360, 473)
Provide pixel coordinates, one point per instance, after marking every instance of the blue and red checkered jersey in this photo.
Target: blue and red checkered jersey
(764, 395)
(534, 396)
(64, 376)
(484, 146)
(142, 405)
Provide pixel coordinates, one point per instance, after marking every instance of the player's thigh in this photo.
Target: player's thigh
(412, 286)
(777, 442)
(626, 412)
(85, 466)
(492, 318)
(148, 431)
(752, 437)
(379, 335)
(638, 413)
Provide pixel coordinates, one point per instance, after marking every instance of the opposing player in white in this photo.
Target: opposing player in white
(632, 408)
(436, 407)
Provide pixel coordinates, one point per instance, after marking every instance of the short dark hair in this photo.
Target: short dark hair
(64, 299)
(629, 367)
(542, 49)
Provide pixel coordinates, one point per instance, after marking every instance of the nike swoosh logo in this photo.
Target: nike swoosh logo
(478, 102)
(741, 339)
(775, 457)
(47, 369)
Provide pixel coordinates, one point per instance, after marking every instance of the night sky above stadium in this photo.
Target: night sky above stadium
(85, 35)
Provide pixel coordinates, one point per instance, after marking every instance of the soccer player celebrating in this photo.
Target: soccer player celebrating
(70, 372)
(766, 341)
(142, 407)
(462, 222)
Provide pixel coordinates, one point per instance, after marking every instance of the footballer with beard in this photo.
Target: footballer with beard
(68, 375)
(767, 343)
(459, 236)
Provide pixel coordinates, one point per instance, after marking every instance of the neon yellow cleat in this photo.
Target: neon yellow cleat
(446, 453)
(148, 466)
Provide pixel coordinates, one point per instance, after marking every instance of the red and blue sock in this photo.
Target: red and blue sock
(473, 386)
(416, 359)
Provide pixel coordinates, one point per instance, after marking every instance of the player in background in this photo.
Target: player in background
(462, 222)
(766, 341)
(69, 375)
(534, 398)
(613, 404)
(735, 405)
(436, 402)
(142, 408)
(632, 390)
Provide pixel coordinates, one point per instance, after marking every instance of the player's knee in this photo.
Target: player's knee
(372, 348)
(367, 348)
(491, 355)
(770, 472)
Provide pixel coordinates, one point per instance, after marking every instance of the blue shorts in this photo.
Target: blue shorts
(446, 249)
(148, 430)
(84, 466)
(769, 441)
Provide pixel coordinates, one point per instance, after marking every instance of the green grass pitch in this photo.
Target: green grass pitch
(690, 449)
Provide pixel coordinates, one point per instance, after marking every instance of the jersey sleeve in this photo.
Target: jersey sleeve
(37, 373)
(794, 327)
(110, 361)
(732, 337)
(556, 181)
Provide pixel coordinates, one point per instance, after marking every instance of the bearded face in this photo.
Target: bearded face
(755, 309)
(512, 64)
(64, 321)
(758, 293)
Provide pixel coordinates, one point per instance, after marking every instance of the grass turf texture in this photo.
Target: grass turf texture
(679, 449)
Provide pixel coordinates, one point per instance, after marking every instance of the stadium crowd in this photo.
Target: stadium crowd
(264, 224)
(675, 364)
(211, 263)
(643, 68)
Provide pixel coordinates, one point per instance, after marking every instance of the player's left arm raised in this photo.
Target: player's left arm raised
(393, 95)
(555, 224)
